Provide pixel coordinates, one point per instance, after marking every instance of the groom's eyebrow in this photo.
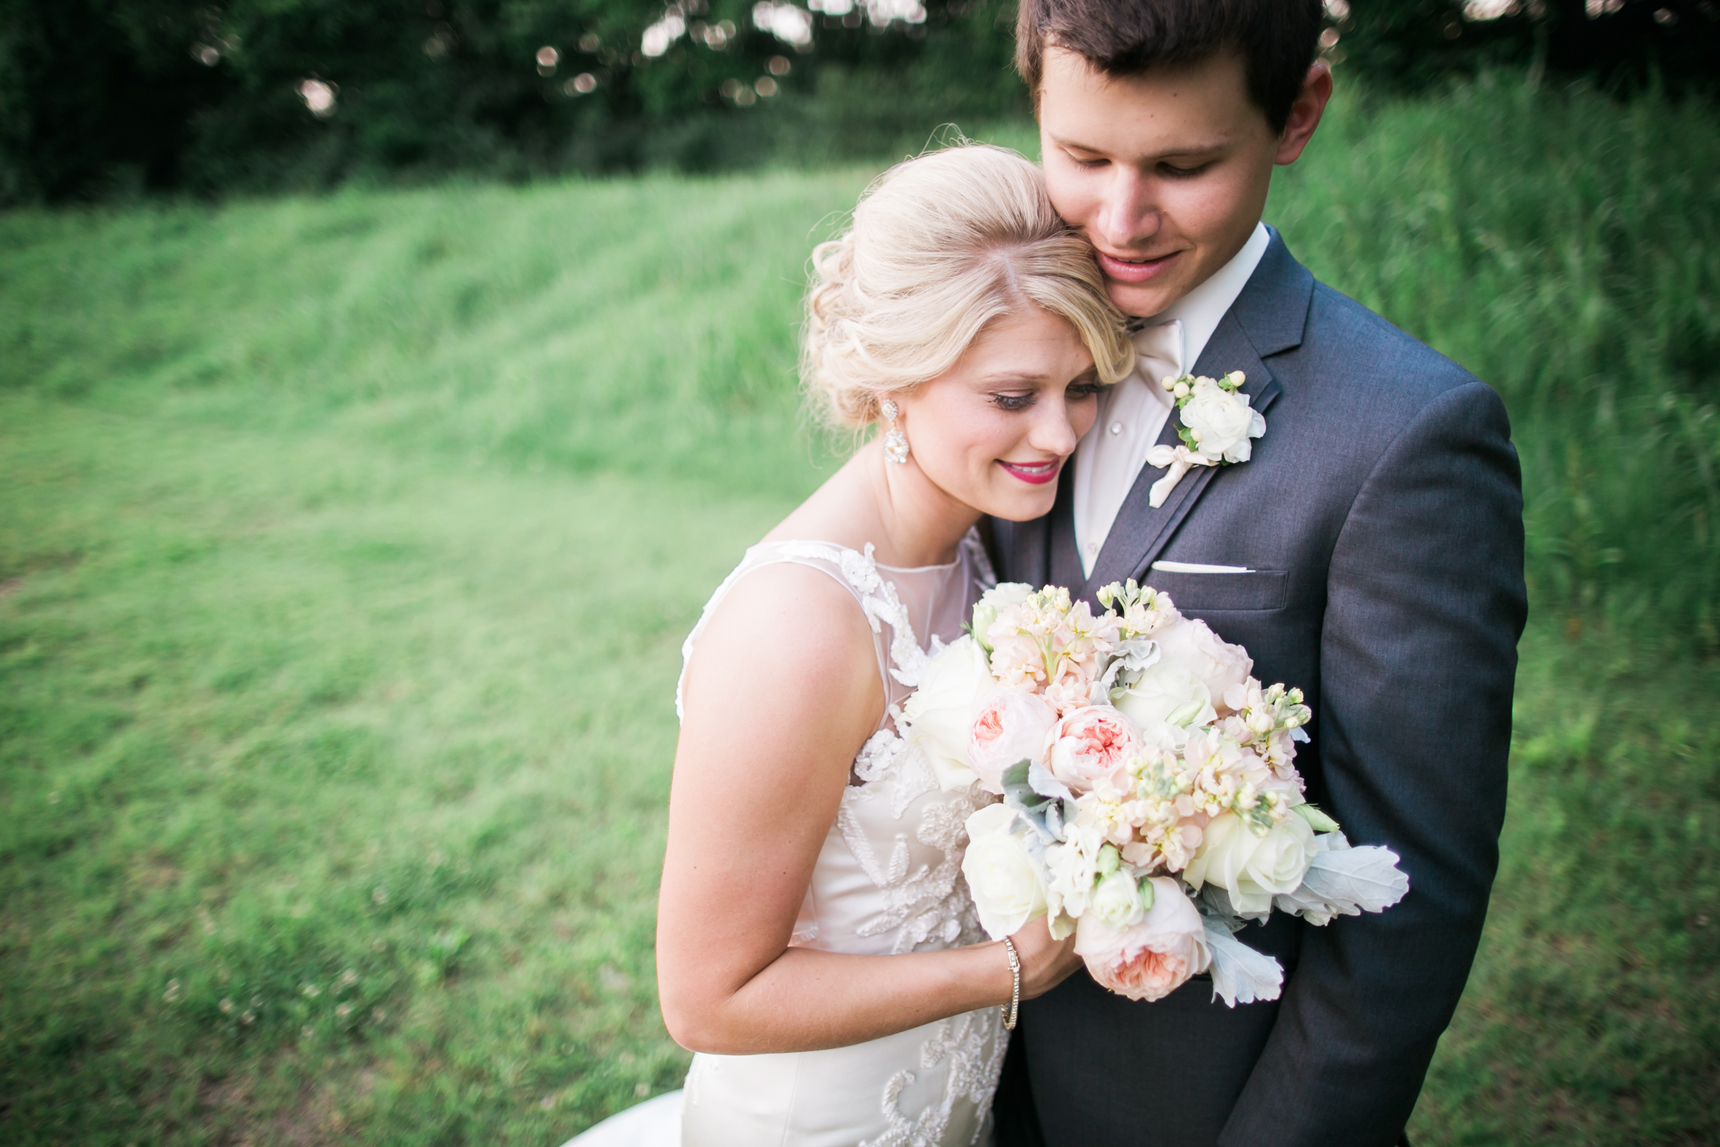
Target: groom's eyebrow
(1201, 147)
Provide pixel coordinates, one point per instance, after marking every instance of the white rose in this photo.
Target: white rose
(1191, 645)
(1252, 869)
(1007, 886)
(937, 717)
(1117, 901)
(1222, 422)
(1164, 702)
(997, 599)
(1009, 728)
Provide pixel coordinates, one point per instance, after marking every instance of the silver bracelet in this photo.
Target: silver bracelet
(1009, 1013)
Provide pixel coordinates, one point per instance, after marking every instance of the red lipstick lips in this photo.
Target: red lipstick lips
(1034, 473)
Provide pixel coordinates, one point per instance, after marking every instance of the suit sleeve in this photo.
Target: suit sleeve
(1425, 603)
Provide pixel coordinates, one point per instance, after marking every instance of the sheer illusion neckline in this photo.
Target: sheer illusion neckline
(866, 552)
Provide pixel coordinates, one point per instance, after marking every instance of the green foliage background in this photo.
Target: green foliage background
(106, 99)
(347, 543)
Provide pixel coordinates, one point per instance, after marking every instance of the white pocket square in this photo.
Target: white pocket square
(1192, 567)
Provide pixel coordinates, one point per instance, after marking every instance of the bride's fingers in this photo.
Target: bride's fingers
(1045, 962)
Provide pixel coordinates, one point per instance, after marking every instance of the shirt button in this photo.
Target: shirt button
(1116, 428)
(1092, 549)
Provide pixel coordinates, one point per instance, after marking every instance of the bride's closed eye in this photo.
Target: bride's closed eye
(1076, 392)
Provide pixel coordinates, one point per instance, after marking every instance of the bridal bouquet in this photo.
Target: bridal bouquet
(1150, 797)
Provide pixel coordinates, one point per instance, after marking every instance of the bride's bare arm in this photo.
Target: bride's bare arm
(781, 692)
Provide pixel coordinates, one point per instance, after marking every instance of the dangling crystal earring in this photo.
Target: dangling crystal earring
(895, 445)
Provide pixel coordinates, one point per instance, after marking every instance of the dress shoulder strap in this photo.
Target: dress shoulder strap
(899, 653)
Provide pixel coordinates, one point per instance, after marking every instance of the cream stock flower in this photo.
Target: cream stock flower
(937, 717)
(1153, 957)
(1017, 659)
(1089, 750)
(998, 598)
(1072, 867)
(1009, 727)
(1007, 885)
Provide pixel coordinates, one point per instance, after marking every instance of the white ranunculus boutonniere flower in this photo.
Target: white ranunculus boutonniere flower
(1217, 428)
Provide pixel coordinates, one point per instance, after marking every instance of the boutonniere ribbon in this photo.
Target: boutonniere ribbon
(1217, 428)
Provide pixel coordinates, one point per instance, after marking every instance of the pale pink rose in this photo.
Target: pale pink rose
(1010, 728)
(1090, 749)
(1151, 959)
(1191, 645)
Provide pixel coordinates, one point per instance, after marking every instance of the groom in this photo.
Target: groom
(1370, 552)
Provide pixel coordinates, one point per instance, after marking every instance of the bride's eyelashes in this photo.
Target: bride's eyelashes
(1075, 392)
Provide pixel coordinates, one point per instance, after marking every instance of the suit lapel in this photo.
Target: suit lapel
(1267, 318)
(1141, 531)
(1064, 554)
(1023, 547)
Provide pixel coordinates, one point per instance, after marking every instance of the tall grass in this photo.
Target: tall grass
(1567, 251)
(346, 546)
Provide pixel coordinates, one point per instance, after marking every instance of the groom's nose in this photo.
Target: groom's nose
(1128, 214)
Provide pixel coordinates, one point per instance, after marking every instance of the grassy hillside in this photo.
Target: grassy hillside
(346, 547)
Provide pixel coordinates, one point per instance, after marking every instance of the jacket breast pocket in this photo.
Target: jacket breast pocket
(1208, 592)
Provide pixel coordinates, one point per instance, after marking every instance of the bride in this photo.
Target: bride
(816, 946)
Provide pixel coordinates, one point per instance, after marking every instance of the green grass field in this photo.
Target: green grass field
(347, 546)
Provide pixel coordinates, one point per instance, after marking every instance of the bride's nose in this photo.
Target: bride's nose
(1052, 432)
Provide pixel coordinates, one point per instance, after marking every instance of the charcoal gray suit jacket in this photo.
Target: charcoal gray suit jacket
(1381, 516)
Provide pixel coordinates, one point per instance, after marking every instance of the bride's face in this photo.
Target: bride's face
(995, 430)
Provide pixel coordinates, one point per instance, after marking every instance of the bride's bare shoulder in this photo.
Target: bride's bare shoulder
(787, 631)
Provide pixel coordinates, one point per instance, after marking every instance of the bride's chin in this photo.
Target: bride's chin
(1024, 506)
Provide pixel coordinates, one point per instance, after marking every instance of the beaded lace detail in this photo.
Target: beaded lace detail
(975, 1058)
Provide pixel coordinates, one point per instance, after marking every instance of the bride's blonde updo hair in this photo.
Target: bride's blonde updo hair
(940, 246)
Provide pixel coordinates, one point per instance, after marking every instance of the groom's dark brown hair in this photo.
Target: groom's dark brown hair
(1277, 40)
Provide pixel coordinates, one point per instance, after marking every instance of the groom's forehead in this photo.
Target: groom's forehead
(1186, 107)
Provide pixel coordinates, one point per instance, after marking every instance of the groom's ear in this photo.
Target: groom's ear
(1305, 113)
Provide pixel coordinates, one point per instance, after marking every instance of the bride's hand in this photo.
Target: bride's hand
(1045, 962)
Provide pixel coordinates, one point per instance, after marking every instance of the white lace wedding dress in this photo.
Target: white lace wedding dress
(888, 880)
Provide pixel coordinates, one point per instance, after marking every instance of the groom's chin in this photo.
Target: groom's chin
(1142, 300)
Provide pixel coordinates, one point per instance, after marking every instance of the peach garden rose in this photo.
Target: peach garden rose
(1152, 958)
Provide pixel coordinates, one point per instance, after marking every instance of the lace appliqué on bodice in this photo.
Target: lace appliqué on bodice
(888, 879)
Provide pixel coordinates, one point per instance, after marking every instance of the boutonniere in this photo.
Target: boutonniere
(1217, 424)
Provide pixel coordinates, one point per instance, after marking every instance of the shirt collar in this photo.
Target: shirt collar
(1203, 308)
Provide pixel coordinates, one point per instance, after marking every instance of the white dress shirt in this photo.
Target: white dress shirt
(1133, 412)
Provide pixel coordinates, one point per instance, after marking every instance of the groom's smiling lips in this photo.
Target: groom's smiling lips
(1134, 270)
(1033, 473)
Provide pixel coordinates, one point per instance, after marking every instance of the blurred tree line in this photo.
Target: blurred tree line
(116, 97)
